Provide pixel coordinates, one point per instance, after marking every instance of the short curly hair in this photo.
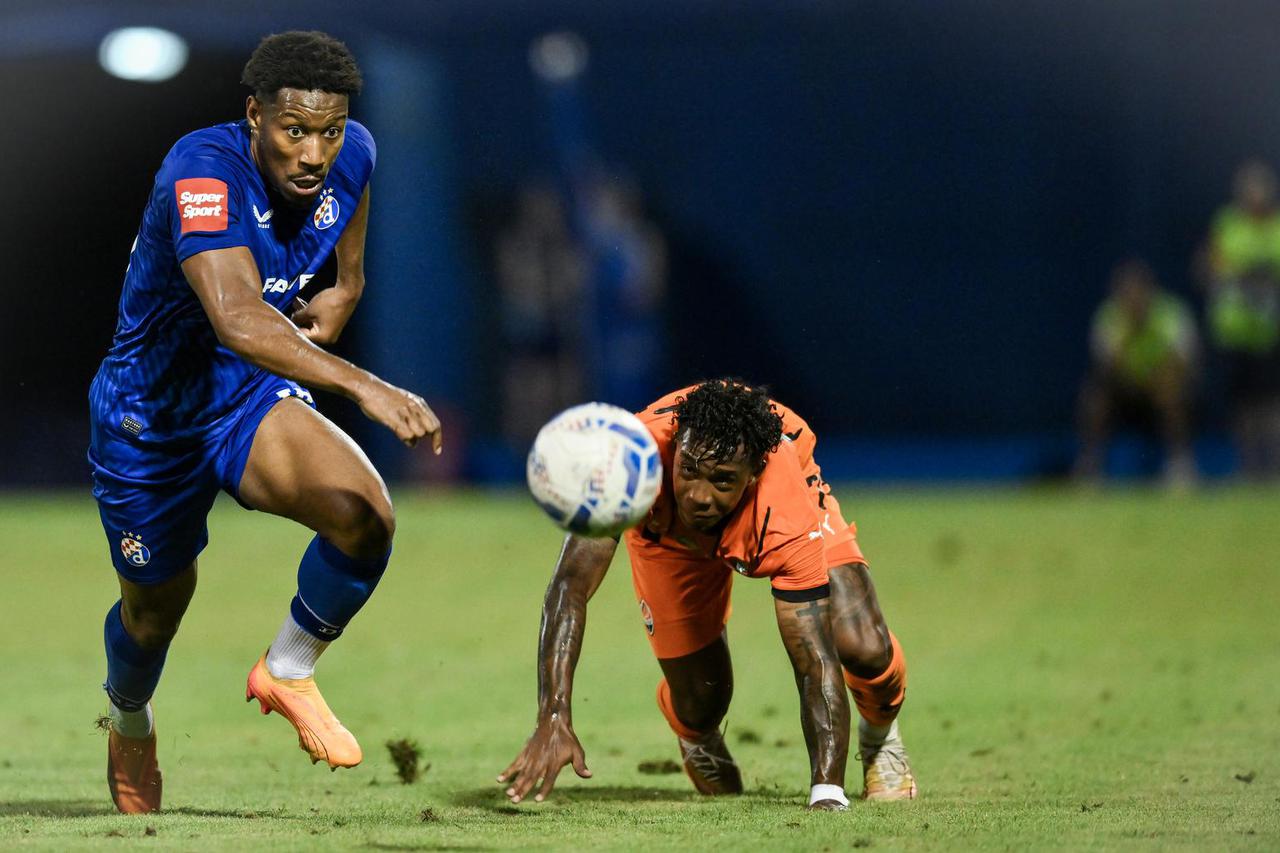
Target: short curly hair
(307, 60)
(722, 416)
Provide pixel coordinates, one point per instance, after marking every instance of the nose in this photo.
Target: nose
(700, 499)
(311, 157)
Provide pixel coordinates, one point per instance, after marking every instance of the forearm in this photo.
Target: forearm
(824, 705)
(263, 337)
(564, 618)
(824, 717)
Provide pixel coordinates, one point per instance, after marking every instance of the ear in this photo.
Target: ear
(253, 111)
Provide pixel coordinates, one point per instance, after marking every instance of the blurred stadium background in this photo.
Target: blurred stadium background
(900, 215)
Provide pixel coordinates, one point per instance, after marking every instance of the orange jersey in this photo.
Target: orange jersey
(784, 527)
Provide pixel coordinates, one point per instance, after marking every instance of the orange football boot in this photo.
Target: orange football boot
(132, 773)
(320, 734)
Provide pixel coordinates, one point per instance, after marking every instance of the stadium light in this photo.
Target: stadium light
(145, 54)
(558, 57)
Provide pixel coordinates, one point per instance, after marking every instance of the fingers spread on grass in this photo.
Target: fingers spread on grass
(512, 769)
(547, 785)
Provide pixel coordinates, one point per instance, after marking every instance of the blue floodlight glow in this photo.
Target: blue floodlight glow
(146, 54)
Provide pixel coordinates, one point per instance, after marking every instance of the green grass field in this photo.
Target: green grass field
(1096, 671)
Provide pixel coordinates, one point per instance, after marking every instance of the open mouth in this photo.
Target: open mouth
(306, 186)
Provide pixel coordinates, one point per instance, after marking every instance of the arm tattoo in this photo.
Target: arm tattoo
(824, 707)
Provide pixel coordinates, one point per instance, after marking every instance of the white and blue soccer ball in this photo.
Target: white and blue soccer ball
(595, 469)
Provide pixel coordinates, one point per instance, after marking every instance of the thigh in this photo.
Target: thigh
(684, 599)
(154, 531)
(302, 467)
(861, 635)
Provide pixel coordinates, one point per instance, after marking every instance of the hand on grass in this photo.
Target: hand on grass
(551, 746)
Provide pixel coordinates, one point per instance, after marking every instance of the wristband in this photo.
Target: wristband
(828, 792)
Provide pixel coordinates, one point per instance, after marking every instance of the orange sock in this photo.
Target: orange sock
(669, 711)
(878, 699)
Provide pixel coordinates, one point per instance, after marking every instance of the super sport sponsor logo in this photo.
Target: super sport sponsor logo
(202, 204)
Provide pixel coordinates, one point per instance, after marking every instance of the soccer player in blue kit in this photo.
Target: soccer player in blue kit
(203, 390)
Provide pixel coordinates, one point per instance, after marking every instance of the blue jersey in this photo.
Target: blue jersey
(167, 381)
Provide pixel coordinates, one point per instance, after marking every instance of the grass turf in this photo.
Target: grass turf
(1094, 671)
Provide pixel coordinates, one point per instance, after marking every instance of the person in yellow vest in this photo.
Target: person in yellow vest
(1145, 354)
(1244, 314)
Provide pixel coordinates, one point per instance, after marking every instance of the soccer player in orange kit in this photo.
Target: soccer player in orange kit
(741, 493)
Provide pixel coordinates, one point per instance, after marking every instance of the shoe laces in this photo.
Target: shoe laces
(707, 763)
(889, 757)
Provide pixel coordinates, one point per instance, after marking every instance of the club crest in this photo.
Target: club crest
(134, 551)
(327, 213)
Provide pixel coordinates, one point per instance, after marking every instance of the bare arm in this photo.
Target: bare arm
(579, 571)
(323, 320)
(227, 283)
(824, 707)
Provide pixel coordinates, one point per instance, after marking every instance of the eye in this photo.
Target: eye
(332, 132)
(294, 132)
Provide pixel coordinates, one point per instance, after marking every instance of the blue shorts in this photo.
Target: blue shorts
(154, 499)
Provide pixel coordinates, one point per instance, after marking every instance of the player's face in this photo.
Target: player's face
(296, 137)
(707, 489)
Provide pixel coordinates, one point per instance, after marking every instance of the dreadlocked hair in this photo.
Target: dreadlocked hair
(723, 415)
(307, 60)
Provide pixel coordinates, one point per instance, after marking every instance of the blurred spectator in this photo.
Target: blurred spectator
(1145, 353)
(540, 278)
(628, 274)
(1244, 314)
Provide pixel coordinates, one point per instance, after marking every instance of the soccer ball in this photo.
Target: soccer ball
(595, 469)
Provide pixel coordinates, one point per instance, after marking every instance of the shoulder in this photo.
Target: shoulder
(1106, 312)
(1175, 309)
(796, 430)
(359, 141)
(1226, 218)
(659, 417)
(211, 152)
(783, 495)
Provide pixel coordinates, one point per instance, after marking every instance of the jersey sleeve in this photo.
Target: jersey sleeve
(206, 206)
(362, 150)
(797, 570)
(792, 554)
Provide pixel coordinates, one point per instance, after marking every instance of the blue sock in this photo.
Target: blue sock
(132, 671)
(332, 588)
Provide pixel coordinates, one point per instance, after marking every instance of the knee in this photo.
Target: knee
(865, 649)
(150, 628)
(361, 525)
(704, 706)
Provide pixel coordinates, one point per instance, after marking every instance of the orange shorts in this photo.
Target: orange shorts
(684, 597)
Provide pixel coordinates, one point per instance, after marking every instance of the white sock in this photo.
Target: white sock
(873, 736)
(294, 652)
(134, 724)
